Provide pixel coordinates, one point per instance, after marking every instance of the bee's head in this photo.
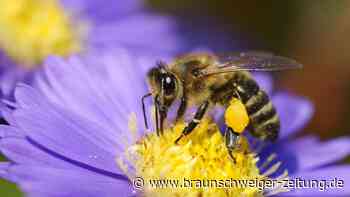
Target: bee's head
(163, 85)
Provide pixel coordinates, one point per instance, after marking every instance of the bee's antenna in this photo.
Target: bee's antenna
(161, 64)
(156, 103)
(144, 108)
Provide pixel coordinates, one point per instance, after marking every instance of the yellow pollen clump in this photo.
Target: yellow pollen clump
(33, 29)
(236, 116)
(201, 158)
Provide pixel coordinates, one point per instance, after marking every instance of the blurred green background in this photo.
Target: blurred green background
(316, 33)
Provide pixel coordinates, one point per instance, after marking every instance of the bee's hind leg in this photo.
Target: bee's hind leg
(231, 141)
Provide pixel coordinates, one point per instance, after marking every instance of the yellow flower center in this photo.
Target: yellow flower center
(198, 166)
(33, 29)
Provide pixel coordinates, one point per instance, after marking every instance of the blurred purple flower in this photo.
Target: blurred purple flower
(128, 24)
(97, 15)
(65, 132)
(135, 26)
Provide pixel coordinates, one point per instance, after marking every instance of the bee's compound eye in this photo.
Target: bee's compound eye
(169, 84)
(168, 80)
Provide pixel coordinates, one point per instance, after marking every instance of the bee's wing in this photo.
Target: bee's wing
(250, 61)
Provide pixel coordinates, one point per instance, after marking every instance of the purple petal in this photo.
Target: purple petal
(335, 174)
(103, 10)
(10, 76)
(294, 112)
(318, 153)
(66, 133)
(23, 152)
(90, 101)
(285, 153)
(106, 79)
(265, 82)
(296, 157)
(9, 131)
(4, 166)
(6, 113)
(46, 181)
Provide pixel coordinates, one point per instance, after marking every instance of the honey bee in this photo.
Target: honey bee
(205, 80)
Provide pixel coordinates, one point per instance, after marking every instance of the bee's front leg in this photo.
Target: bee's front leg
(195, 121)
(182, 109)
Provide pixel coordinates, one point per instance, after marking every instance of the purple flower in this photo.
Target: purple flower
(71, 27)
(66, 133)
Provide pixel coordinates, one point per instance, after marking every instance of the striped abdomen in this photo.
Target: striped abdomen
(264, 121)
